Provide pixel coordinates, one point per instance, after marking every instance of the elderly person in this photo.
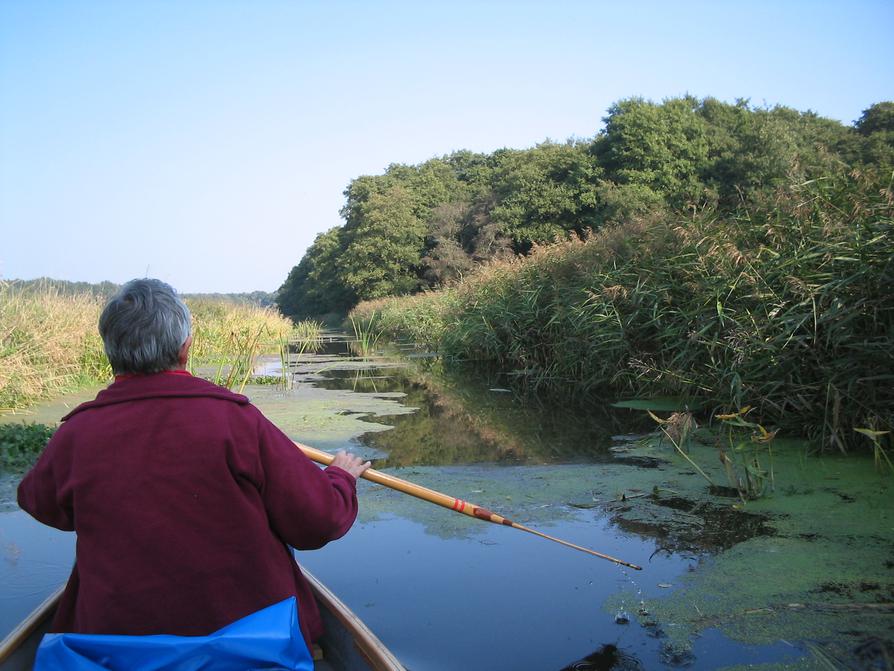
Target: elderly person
(183, 495)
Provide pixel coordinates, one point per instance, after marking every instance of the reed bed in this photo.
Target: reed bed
(307, 331)
(787, 305)
(50, 345)
(419, 318)
(224, 328)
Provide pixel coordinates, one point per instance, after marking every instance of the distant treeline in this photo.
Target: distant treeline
(105, 290)
(424, 226)
(262, 299)
(42, 285)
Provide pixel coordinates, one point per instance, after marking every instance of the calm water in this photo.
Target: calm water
(445, 591)
(449, 592)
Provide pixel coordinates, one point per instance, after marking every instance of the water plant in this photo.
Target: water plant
(366, 334)
(746, 472)
(879, 454)
(241, 361)
(677, 429)
(306, 330)
(306, 336)
(21, 444)
(228, 336)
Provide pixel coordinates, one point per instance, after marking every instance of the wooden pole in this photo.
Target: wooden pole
(457, 505)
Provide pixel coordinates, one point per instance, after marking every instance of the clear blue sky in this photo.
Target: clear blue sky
(207, 143)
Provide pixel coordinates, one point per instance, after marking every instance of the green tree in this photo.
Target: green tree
(663, 147)
(876, 130)
(313, 288)
(418, 226)
(384, 247)
(545, 193)
(879, 118)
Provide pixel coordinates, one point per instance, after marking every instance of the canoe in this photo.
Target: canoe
(348, 644)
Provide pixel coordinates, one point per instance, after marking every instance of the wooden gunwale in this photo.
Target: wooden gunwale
(17, 637)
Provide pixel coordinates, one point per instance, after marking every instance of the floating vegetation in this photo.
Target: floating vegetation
(832, 507)
(267, 379)
(21, 444)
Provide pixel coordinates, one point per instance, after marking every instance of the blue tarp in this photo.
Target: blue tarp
(268, 639)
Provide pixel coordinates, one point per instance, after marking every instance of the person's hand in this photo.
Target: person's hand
(350, 463)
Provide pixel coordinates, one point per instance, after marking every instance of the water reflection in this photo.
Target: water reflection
(499, 601)
(34, 561)
(424, 571)
(465, 417)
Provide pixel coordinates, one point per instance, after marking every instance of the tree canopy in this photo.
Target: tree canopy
(416, 227)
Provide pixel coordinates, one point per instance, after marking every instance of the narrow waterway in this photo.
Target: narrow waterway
(722, 584)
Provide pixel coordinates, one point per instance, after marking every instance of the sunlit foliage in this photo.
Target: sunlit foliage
(418, 227)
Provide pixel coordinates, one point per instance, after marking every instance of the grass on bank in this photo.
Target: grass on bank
(50, 345)
(787, 306)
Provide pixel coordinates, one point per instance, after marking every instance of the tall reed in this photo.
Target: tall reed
(787, 306)
(221, 328)
(49, 344)
(228, 337)
(366, 335)
(418, 318)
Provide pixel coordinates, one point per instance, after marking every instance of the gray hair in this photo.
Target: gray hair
(143, 327)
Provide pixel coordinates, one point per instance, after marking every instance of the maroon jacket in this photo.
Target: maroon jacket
(183, 496)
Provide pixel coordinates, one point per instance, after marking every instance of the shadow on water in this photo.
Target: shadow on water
(464, 416)
(608, 658)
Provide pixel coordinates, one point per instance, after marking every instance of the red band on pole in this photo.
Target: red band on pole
(482, 513)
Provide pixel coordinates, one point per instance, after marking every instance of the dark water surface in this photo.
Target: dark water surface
(447, 592)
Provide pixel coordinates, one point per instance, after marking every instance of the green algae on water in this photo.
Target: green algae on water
(819, 566)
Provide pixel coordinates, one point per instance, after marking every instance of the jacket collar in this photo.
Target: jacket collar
(157, 385)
